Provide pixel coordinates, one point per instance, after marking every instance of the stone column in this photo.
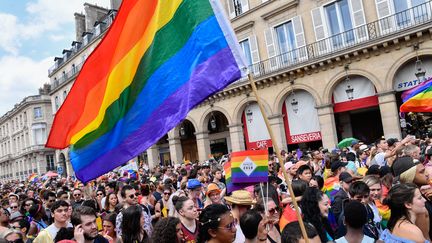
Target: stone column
(203, 144)
(153, 156)
(327, 125)
(389, 115)
(277, 125)
(175, 150)
(237, 137)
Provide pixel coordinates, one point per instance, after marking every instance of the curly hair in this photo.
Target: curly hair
(165, 230)
(310, 210)
(210, 219)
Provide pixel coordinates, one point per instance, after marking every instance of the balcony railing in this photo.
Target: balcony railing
(96, 33)
(67, 76)
(408, 19)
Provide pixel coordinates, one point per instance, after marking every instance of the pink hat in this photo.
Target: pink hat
(288, 165)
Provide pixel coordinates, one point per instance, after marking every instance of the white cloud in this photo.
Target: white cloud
(10, 32)
(21, 77)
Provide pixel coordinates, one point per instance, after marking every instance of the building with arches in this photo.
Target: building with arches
(325, 70)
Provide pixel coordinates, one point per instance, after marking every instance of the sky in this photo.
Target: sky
(33, 32)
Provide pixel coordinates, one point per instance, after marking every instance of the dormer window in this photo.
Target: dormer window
(87, 37)
(58, 61)
(66, 54)
(98, 27)
(76, 45)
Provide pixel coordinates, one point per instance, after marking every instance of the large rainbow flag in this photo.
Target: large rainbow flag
(249, 166)
(158, 60)
(228, 179)
(418, 99)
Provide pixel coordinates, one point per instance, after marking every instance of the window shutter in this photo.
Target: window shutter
(244, 5)
(231, 8)
(359, 19)
(271, 47)
(299, 37)
(320, 30)
(254, 54)
(384, 10)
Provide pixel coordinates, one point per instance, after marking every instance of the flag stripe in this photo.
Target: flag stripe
(257, 162)
(422, 102)
(173, 34)
(406, 95)
(121, 36)
(238, 171)
(252, 157)
(166, 45)
(221, 65)
(156, 90)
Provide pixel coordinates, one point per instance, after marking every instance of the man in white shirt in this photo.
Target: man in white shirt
(59, 211)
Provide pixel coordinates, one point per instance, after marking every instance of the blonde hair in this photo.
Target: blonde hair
(371, 180)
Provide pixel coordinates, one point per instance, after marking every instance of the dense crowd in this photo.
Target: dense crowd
(359, 193)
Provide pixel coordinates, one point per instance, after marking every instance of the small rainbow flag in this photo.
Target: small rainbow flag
(384, 212)
(249, 166)
(33, 177)
(288, 215)
(158, 60)
(331, 187)
(229, 184)
(418, 99)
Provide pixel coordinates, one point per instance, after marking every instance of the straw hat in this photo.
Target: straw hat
(240, 197)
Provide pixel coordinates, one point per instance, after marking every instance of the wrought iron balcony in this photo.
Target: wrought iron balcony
(392, 25)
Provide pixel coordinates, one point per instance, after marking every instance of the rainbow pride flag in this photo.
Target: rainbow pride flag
(418, 99)
(331, 187)
(228, 180)
(384, 212)
(249, 166)
(158, 60)
(33, 178)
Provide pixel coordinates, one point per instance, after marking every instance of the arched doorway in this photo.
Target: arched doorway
(62, 163)
(301, 123)
(254, 128)
(188, 141)
(219, 136)
(356, 109)
(164, 153)
(404, 79)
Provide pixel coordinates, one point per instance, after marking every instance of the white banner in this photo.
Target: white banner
(362, 86)
(255, 124)
(405, 77)
(303, 124)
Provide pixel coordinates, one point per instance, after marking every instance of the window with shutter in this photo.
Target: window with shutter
(286, 43)
(271, 48)
(384, 10)
(339, 23)
(299, 38)
(359, 20)
(320, 31)
(255, 55)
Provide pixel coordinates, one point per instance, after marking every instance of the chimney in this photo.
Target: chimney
(115, 4)
(93, 13)
(80, 26)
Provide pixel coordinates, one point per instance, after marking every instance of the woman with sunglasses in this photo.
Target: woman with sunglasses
(100, 193)
(168, 230)
(273, 216)
(188, 215)
(161, 207)
(216, 225)
(26, 205)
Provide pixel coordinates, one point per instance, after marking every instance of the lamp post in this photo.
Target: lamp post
(213, 122)
(249, 114)
(182, 131)
(294, 105)
(420, 73)
(349, 90)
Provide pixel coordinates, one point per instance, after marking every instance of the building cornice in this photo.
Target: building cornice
(282, 9)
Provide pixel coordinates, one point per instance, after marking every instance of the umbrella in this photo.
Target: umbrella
(346, 142)
(51, 174)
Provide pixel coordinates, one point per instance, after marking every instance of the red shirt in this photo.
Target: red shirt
(190, 237)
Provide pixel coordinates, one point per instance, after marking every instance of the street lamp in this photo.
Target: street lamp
(213, 122)
(182, 131)
(420, 73)
(249, 115)
(294, 105)
(349, 90)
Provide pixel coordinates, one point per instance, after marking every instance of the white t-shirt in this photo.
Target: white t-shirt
(52, 230)
(366, 239)
(380, 158)
(240, 238)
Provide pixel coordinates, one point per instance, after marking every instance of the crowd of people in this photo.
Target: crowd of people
(379, 192)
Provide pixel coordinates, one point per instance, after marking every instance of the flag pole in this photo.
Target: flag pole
(276, 149)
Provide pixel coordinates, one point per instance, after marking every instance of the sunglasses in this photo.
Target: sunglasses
(100, 194)
(51, 200)
(77, 195)
(16, 241)
(273, 211)
(28, 204)
(229, 226)
(15, 227)
(14, 206)
(132, 196)
(167, 193)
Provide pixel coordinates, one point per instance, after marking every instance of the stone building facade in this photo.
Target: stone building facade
(325, 70)
(23, 133)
